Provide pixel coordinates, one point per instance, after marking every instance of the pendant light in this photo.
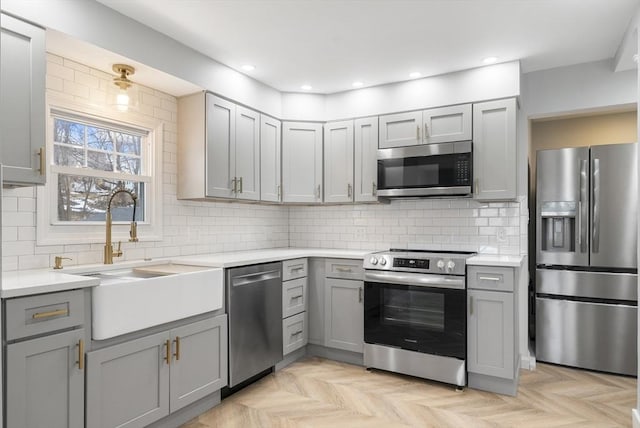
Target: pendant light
(124, 94)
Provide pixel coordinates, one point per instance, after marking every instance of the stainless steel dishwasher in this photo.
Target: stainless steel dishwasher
(254, 307)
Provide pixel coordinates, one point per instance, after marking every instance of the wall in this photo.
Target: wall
(189, 227)
(456, 224)
(99, 25)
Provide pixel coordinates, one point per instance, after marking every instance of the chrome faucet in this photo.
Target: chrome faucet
(109, 252)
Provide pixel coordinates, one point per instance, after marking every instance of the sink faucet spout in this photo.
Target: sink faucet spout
(109, 252)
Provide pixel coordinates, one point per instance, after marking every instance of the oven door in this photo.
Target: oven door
(418, 312)
(429, 170)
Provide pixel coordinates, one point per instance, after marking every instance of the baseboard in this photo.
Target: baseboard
(335, 354)
(635, 417)
(291, 358)
(184, 415)
(528, 362)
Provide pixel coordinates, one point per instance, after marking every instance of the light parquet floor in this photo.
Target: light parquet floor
(315, 392)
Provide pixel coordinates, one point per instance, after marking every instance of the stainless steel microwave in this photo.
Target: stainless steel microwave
(425, 170)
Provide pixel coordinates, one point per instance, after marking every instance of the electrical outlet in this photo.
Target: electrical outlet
(360, 233)
(501, 234)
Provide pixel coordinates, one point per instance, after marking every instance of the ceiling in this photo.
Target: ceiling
(329, 44)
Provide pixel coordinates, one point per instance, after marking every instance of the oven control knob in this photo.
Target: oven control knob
(383, 262)
(374, 260)
(450, 265)
(440, 264)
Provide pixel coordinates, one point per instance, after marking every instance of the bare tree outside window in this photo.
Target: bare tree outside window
(93, 161)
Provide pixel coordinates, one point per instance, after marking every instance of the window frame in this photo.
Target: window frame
(50, 230)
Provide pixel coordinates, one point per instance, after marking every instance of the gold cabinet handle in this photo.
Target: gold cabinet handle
(43, 160)
(349, 190)
(318, 192)
(470, 305)
(418, 133)
(49, 314)
(234, 183)
(177, 353)
(359, 294)
(80, 354)
(167, 355)
(279, 192)
(343, 269)
(426, 131)
(489, 278)
(240, 184)
(373, 189)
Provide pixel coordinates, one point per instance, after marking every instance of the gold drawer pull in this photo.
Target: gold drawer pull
(58, 312)
(177, 354)
(295, 269)
(343, 269)
(81, 354)
(43, 160)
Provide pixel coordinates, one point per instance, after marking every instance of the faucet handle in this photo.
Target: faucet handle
(58, 261)
(118, 252)
(133, 233)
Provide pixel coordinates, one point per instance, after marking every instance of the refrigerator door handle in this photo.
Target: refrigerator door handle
(582, 207)
(595, 240)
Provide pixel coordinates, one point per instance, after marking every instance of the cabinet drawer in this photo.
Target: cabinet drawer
(294, 333)
(28, 316)
(344, 268)
(491, 278)
(294, 297)
(292, 269)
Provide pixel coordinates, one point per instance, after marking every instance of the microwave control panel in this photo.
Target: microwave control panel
(463, 170)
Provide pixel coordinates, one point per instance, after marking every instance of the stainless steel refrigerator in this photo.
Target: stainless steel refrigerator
(586, 273)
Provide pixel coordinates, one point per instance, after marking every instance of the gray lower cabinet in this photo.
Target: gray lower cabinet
(492, 328)
(141, 381)
(344, 314)
(45, 380)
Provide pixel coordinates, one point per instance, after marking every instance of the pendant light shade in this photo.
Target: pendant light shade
(123, 95)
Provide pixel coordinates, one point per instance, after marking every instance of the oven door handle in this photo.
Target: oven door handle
(416, 279)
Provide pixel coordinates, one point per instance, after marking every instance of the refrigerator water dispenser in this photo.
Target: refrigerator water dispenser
(558, 226)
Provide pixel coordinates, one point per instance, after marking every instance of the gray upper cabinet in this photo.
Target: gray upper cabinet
(344, 314)
(116, 394)
(494, 150)
(399, 130)
(219, 153)
(302, 162)
(338, 161)
(365, 184)
(447, 124)
(270, 168)
(45, 377)
(22, 105)
(436, 125)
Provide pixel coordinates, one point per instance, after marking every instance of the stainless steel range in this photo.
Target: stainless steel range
(415, 305)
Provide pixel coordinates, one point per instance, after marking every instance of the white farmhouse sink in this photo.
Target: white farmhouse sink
(136, 298)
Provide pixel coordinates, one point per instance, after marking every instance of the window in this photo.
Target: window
(91, 160)
(90, 157)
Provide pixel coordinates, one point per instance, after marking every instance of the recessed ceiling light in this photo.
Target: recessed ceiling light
(306, 87)
(490, 60)
(357, 84)
(415, 74)
(248, 67)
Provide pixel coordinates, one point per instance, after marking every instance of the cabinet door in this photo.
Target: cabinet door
(45, 382)
(344, 314)
(199, 365)
(247, 146)
(366, 159)
(22, 104)
(494, 150)
(490, 336)
(399, 130)
(128, 384)
(315, 306)
(302, 162)
(338, 161)
(270, 182)
(221, 154)
(446, 124)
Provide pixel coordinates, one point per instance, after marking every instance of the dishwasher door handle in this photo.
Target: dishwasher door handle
(254, 278)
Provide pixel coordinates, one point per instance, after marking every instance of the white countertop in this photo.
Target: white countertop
(495, 260)
(243, 258)
(26, 283)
